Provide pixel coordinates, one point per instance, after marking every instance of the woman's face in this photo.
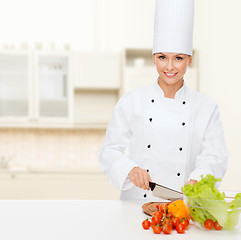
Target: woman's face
(171, 66)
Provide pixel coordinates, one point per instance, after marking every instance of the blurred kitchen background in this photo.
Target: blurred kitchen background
(64, 65)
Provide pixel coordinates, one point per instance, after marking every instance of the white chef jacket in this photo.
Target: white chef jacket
(175, 140)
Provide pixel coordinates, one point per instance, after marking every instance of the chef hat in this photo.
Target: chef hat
(173, 26)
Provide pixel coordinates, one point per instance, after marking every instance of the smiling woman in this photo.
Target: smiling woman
(174, 134)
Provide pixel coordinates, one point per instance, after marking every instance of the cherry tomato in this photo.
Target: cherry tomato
(169, 215)
(158, 213)
(180, 228)
(217, 226)
(163, 208)
(209, 224)
(157, 206)
(175, 222)
(146, 224)
(156, 219)
(185, 222)
(167, 221)
(157, 229)
(167, 229)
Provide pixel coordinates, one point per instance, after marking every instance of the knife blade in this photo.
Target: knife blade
(165, 192)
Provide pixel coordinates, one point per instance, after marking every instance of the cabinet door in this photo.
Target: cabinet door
(15, 85)
(97, 70)
(14, 186)
(76, 186)
(52, 90)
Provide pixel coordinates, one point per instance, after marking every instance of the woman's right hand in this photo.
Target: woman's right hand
(140, 178)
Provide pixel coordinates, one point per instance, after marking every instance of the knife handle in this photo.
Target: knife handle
(152, 185)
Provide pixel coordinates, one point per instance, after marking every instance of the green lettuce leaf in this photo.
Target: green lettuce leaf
(233, 214)
(206, 202)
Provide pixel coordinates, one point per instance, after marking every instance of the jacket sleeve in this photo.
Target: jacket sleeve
(115, 163)
(213, 155)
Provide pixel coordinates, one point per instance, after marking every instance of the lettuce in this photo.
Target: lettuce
(233, 214)
(206, 202)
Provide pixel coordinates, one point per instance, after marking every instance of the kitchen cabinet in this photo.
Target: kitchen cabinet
(17, 186)
(76, 186)
(35, 88)
(15, 85)
(56, 185)
(97, 81)
(96, 70)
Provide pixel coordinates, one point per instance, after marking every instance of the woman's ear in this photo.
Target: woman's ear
(190, 61)
(154, 58)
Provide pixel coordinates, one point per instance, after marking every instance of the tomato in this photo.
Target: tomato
(217, 226)
(158, 213)
(146, 224)
(157, 229)
(167, 221)
(163, 208)
(185, 222)
(169, 215)
(175, 222)
(158, 206)
(156, 219)
(180, 228)
(167, 229)
(209, 224)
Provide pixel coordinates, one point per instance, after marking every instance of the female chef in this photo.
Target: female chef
(174, 134)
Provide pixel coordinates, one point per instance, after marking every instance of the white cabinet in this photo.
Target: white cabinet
(53, 91)
(76, 186)
(35, 88)
(56, 186)
(138, 69)
(97, 80)
(15, 85)
(97, 70)
(17, 186)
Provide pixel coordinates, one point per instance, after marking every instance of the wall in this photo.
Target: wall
(217, 38)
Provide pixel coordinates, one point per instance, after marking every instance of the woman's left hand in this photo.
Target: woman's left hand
(192, 181)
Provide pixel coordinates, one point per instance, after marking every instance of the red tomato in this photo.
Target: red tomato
(157, 206)
(167, 229)
(157, 229)
(185, 222)
(163, 208)
(209, 224)
(167, 221)
(180, 228)
(158, 213)
(146, 224)
(169, 215)
(156, 219)
(217, 226)
(175, 222)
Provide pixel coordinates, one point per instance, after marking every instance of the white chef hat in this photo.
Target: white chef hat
(173, 30)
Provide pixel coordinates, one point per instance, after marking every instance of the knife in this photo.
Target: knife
(165, 192)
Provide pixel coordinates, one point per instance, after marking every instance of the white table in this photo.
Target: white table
(87, 219)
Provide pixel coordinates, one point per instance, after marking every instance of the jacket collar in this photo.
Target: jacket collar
(178, 96)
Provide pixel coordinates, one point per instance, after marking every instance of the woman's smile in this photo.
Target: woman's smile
(170, 74)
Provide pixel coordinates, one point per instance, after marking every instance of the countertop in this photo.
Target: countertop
(87, 219)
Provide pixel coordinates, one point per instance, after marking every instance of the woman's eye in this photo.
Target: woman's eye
(162, 57)
(179, 58)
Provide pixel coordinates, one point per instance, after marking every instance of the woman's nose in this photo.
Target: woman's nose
(170, 65)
